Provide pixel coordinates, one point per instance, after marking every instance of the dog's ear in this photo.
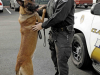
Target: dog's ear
(20, 2)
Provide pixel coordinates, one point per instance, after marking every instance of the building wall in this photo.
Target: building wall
(7, 2)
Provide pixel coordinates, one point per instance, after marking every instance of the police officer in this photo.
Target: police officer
(60, 15)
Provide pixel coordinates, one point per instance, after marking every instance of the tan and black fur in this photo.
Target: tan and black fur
(28, 17)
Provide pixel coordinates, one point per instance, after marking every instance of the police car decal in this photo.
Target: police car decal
(96, 51)
(82, 19)
(94, 30)
(97, 43)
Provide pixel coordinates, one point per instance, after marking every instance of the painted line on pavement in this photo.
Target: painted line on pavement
(8, 11)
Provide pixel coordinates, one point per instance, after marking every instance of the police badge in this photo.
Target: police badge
(64, 0)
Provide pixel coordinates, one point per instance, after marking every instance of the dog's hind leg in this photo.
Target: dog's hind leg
(17, 68)
(18, 73)
(26, 68)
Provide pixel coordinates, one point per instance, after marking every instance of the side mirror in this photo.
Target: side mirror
(95, 9)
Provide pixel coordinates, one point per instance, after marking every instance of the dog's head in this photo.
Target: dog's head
(28, 5)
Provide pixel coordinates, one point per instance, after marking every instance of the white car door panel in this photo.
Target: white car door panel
(95, 39)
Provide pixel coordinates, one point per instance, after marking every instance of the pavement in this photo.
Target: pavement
(10, 43)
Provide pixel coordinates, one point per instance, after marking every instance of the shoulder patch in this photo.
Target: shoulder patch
(64, 0)
(55, 0)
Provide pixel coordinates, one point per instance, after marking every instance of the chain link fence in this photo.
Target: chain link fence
(41, 1)
(7, 2)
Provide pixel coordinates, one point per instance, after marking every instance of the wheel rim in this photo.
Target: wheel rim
(76, 51)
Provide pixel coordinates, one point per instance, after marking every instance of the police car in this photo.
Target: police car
(14, 5)
(1, 6)
(86, 43)
(96, 1)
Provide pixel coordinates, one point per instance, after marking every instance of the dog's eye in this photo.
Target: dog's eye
(29, 4)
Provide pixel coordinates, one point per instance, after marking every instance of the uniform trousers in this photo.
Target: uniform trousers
(61, 50)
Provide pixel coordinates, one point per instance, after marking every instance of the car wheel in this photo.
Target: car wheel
(11, 6)
(86, 6)
(79, 54)
(1, 10)
(15, 9)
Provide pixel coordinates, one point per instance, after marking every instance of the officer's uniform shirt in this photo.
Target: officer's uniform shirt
(60, 13)
(51, 7)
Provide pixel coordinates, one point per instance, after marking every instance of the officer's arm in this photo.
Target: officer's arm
(60, 14)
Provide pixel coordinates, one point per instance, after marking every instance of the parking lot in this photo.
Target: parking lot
(10, 43)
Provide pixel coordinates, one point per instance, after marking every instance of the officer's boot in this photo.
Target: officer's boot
(57, 73)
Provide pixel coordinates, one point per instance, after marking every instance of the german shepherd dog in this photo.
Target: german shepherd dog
(28, 17)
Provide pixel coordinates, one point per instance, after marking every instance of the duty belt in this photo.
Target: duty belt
(66, 28)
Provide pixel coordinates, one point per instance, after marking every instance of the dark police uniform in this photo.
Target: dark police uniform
(60, 15)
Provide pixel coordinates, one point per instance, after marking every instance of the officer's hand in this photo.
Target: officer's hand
(37, 27)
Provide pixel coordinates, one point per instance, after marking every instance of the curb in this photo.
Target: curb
(6, 6)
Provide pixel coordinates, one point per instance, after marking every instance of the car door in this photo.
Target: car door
(95, 38)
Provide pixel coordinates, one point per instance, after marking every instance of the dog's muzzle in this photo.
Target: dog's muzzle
(32, 7)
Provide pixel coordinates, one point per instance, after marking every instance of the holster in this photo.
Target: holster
(51, 41)
(69, 28)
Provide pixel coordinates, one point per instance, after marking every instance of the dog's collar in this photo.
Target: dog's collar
(28, 14)
(25, 16)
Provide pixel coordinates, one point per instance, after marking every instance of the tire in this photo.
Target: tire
(79, 54)
(86, 6)
(11, 6)
(97, 1)
(1, 10)
(15, 9)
